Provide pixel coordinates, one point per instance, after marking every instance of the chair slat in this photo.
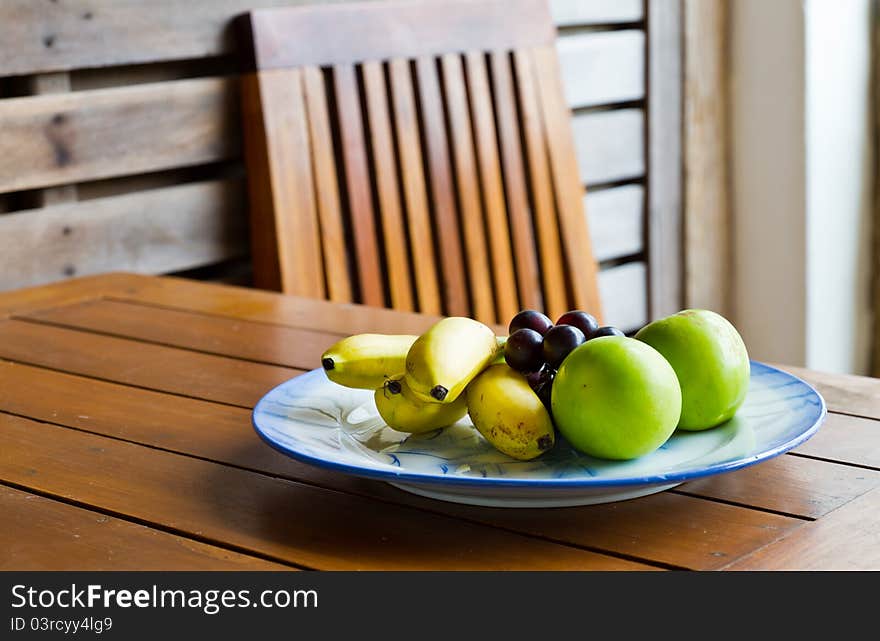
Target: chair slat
(493, 190)
(413, 179)
(446, 223)
(393, 227)
(582, 268)
(282, 186)
(546, 224)
(460, 192)
(522, 233)
(467, 182)
(327, 188)
(357, 179)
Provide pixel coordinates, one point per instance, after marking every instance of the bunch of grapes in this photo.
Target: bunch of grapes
(536, 347)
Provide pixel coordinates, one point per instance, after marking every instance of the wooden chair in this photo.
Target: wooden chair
(417, 155)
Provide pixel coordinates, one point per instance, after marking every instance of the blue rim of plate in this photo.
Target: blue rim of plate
(580, 482)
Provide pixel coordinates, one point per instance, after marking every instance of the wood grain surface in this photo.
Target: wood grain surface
(412, 178)
(71, 137)
(357, 180)
(170, 228)
(521, 225)
(217, 378)
(468, 189)
(102, 76)
(41, 534)
(494, 204)
(848, 539)
(470, 179)
(128, 445)
(326, 187)
(257, 513)
(546, 222)
(101, 33)
(447, 224)
(387, 188)
(220, 433)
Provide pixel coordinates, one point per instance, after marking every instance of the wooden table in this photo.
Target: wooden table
(126, 443)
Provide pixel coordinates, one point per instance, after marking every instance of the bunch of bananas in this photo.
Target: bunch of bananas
(427, 382)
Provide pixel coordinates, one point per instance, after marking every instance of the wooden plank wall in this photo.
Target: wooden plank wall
(121, 145)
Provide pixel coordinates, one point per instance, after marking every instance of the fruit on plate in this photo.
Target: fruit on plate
(607, 331)
(443, 360)
(710, 360)
(610, 396)
(404, 412)
(367, 361)
(616, 398)
(559, 342)
(585, 322)
(524, 350)
(530, 319)
(542, 383)
(508, 414)
(535, 342)
(502, 344)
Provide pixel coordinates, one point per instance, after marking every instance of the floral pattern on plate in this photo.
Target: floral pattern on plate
(318, 422)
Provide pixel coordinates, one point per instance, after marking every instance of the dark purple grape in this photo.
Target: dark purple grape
(608, 331)
(535, 379)
(543, 393)
(524, 350)
(530, 319)
(582, 320)
(559, 342)
(541, 383)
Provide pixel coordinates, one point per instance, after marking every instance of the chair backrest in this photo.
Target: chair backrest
(417, 155)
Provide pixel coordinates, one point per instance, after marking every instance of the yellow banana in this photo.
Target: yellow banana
(509, 415)
(367, 361)
(446, 358)
(404, 412)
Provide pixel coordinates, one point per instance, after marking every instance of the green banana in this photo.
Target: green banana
(509, 415)
(367, 361)
(499, 358)
(448, 356)
(404, 412)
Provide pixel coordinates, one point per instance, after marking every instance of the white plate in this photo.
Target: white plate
(316, 421)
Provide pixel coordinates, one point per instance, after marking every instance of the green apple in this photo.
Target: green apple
(616, 398)
(710, 360)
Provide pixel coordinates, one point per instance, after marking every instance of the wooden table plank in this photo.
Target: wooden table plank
(801, 487)
(302, 348)
(670, 529)
(846, 439)
(43, 534)
(789, 484)
(224, 300)
(217, 482)
(856, 395)
(695, 534)
(256, 305)
(155, 367)
(846, 539)
(271, 517)
(262, 342)
(85, 287)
